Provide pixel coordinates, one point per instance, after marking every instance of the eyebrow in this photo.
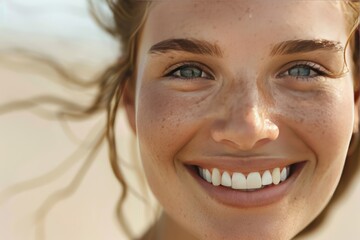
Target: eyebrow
(303, 46)
(194, 46)
(204, 47)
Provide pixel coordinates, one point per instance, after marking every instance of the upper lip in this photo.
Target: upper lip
(241, 164)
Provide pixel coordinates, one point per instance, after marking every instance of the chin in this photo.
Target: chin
(271, 224)
(251, 233)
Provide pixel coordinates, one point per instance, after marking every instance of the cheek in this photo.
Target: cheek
(165, 123)
(323, 118)
(166, 120)
(324, 123)
(332, 140)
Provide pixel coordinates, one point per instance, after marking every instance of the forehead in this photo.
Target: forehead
(231, 21)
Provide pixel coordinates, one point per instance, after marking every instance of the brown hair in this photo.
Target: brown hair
(129, 17)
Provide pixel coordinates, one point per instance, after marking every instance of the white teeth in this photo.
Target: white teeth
(276, 176)
(237, 180)
(216, 178)
(226, 179)
(266, 178)
(208, 176)
(253, 181)
(283, 175)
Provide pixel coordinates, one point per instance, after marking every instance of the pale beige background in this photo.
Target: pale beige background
(31, 146)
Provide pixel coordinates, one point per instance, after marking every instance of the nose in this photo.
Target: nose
(245, 128)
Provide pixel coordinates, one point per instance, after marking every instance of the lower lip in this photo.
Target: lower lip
(247, 199)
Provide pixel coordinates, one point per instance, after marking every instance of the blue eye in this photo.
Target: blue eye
(303, 71)
(188, 72)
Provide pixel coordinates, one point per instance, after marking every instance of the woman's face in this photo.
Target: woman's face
(237, 88)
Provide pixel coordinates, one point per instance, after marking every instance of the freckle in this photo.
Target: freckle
(162, 126)
(163, 119)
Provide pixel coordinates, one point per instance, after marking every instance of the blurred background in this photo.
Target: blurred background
(49, 189)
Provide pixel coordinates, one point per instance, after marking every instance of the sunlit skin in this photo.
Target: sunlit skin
(248, 104)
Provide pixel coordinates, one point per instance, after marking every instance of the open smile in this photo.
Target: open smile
(251, 189)
(241, 181)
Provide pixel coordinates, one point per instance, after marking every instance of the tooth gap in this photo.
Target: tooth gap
(292, 169)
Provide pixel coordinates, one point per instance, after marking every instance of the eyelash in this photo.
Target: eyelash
(192, 65)
(317, 69)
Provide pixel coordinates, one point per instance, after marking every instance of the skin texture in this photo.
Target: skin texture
(245, 107)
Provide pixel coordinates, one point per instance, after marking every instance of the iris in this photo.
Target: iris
(190, 72)
(300, 71)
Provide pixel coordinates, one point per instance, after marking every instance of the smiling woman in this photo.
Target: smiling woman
(245, 98)
(245, 112)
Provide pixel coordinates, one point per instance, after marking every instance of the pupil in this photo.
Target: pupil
(300, 71)
(190, 72)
